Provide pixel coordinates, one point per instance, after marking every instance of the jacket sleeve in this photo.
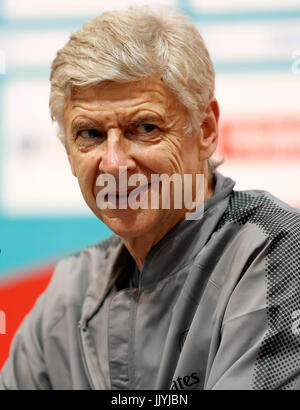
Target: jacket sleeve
(259, 346)
(25, 368)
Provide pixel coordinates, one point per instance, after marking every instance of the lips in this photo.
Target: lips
(123, 195)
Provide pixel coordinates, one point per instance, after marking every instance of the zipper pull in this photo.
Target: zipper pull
(82, 325)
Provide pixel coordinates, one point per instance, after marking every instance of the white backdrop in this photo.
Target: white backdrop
(254, 45)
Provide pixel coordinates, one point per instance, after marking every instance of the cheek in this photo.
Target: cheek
(190, 154)
(173, 155)
(86, 167)
(164, 157)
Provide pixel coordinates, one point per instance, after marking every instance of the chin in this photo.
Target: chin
(129, 224)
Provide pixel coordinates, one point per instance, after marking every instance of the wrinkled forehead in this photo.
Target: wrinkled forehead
(117, 91)
(149, 93)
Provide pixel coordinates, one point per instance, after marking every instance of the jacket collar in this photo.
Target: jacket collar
(182, 243)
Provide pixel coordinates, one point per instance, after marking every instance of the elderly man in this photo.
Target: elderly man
(200, 294)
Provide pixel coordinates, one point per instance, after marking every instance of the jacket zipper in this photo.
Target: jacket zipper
(82, 328)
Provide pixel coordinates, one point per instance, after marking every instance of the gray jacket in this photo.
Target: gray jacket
(216, 306)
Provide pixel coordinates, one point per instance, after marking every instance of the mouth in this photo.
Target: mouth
(124, 196)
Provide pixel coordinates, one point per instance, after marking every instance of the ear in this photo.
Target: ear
(209, 127)
(71, 164)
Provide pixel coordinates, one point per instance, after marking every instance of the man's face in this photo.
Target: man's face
(136, 125)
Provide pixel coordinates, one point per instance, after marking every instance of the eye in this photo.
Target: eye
(146, 128)
(90, 134)
(140, 130)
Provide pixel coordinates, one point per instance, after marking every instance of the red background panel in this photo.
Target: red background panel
(17, 297)
(264, 137)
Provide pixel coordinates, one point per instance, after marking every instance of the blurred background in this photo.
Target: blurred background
(255, 46)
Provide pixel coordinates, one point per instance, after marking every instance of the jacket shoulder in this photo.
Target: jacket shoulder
(264, 210)
(277, 360)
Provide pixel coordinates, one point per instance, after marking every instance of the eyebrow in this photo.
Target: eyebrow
(83, 123)
(146, 118)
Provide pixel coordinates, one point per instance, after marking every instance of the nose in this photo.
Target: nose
(115, 154)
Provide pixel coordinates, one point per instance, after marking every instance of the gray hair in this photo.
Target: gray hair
(125, 46)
